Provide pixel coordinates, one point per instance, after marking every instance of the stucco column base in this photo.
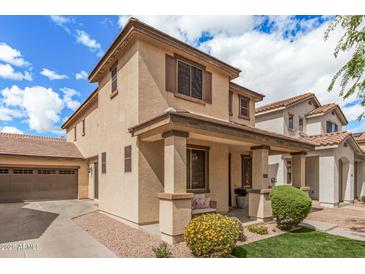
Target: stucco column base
(175, 213)
(306, 189)
(259, 206)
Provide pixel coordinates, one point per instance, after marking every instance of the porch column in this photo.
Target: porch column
(175, 202)
(259, 203)
(298, 169)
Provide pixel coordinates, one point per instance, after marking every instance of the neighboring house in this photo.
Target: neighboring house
(335, 169)
(164, 124)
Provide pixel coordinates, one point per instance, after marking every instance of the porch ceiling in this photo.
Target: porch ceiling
(214, 130)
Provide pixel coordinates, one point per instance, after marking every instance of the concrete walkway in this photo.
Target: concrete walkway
(46, 230)
(333, 229)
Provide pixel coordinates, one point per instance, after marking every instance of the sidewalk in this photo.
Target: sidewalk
(333, 229)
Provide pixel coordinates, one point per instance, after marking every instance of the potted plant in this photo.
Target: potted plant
(241, 197)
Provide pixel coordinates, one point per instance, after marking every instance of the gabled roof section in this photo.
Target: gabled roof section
(359, 137)
(327, 139)
(321, 110)
(92, 97)
(134, 26)
(245, 91)
(27, 145)
(283, 104)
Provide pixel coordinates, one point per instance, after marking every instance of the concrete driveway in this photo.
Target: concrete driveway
(45, 229)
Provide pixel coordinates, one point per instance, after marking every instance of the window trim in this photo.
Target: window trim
(114, 92)
(240, 97)
(301, 119)
(184, 96)
(291, 116)
(188, 182)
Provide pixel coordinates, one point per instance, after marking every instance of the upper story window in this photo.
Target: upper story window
(189, 80)
(291, 121)
(244, 107)
(75, 134)
(301, 124)
(114, 77)
(331, 127)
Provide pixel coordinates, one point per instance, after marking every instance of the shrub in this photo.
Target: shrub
(289, 205)
(258, 229)
(211, 235)
(161, 251)
(242, 237)
(362, 199)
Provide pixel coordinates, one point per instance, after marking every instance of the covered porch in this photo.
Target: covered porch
(205, 155)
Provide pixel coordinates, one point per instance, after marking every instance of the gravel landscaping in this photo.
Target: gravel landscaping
(128, 242)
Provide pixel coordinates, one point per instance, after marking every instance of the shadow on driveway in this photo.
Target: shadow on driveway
(19, 223)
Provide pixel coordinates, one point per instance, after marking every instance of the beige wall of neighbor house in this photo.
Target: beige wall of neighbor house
(272, 122)
(51, 162)
(317, 125)
(360, 183)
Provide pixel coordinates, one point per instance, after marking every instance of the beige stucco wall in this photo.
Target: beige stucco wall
(33, 161)
(277, 170)
(317, 125)
(235, 111)
(360, 187)
(272, 122)
(154, 99)
(312, 176)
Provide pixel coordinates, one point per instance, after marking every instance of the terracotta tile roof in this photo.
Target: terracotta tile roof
(323, 109)
(285, 102)
(19, 144)
(333, 138)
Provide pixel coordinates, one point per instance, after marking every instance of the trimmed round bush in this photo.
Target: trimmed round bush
(211, 235)
(362, 199)
(290, 205)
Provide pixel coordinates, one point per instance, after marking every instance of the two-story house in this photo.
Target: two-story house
(165, 123)
(334, 170)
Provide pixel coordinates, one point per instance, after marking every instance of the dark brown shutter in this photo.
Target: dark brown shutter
(170, 74)
(208, 87)
(127, 158)
(103, 162)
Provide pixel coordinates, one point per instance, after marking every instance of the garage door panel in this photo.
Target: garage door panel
(37, 184)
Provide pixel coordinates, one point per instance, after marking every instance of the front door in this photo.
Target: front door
(96, 181)
(246, 171)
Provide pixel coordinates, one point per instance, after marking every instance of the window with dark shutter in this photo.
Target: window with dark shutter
(244, 110)
(103, 162)
(189, 80)
(170, 73)
(127, 158)
(83, 127)
(114, 73)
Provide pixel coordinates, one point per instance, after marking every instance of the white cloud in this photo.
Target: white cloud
(52, 75)
(8, 72)
(8, 114)
(81, 75)
(41, 106)
(84, 38)
(190, 27)
(14, 130)
(12, 56)
(68, 94)
(62, 21)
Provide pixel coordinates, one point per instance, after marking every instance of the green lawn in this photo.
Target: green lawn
(302, 243)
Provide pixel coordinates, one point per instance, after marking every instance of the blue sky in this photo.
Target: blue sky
(44, 59)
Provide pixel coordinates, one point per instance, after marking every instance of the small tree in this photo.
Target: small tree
(352, 73)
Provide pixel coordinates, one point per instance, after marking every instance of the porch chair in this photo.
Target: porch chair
(201, 204)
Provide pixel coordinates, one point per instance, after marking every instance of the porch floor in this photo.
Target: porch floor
(242, 215)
